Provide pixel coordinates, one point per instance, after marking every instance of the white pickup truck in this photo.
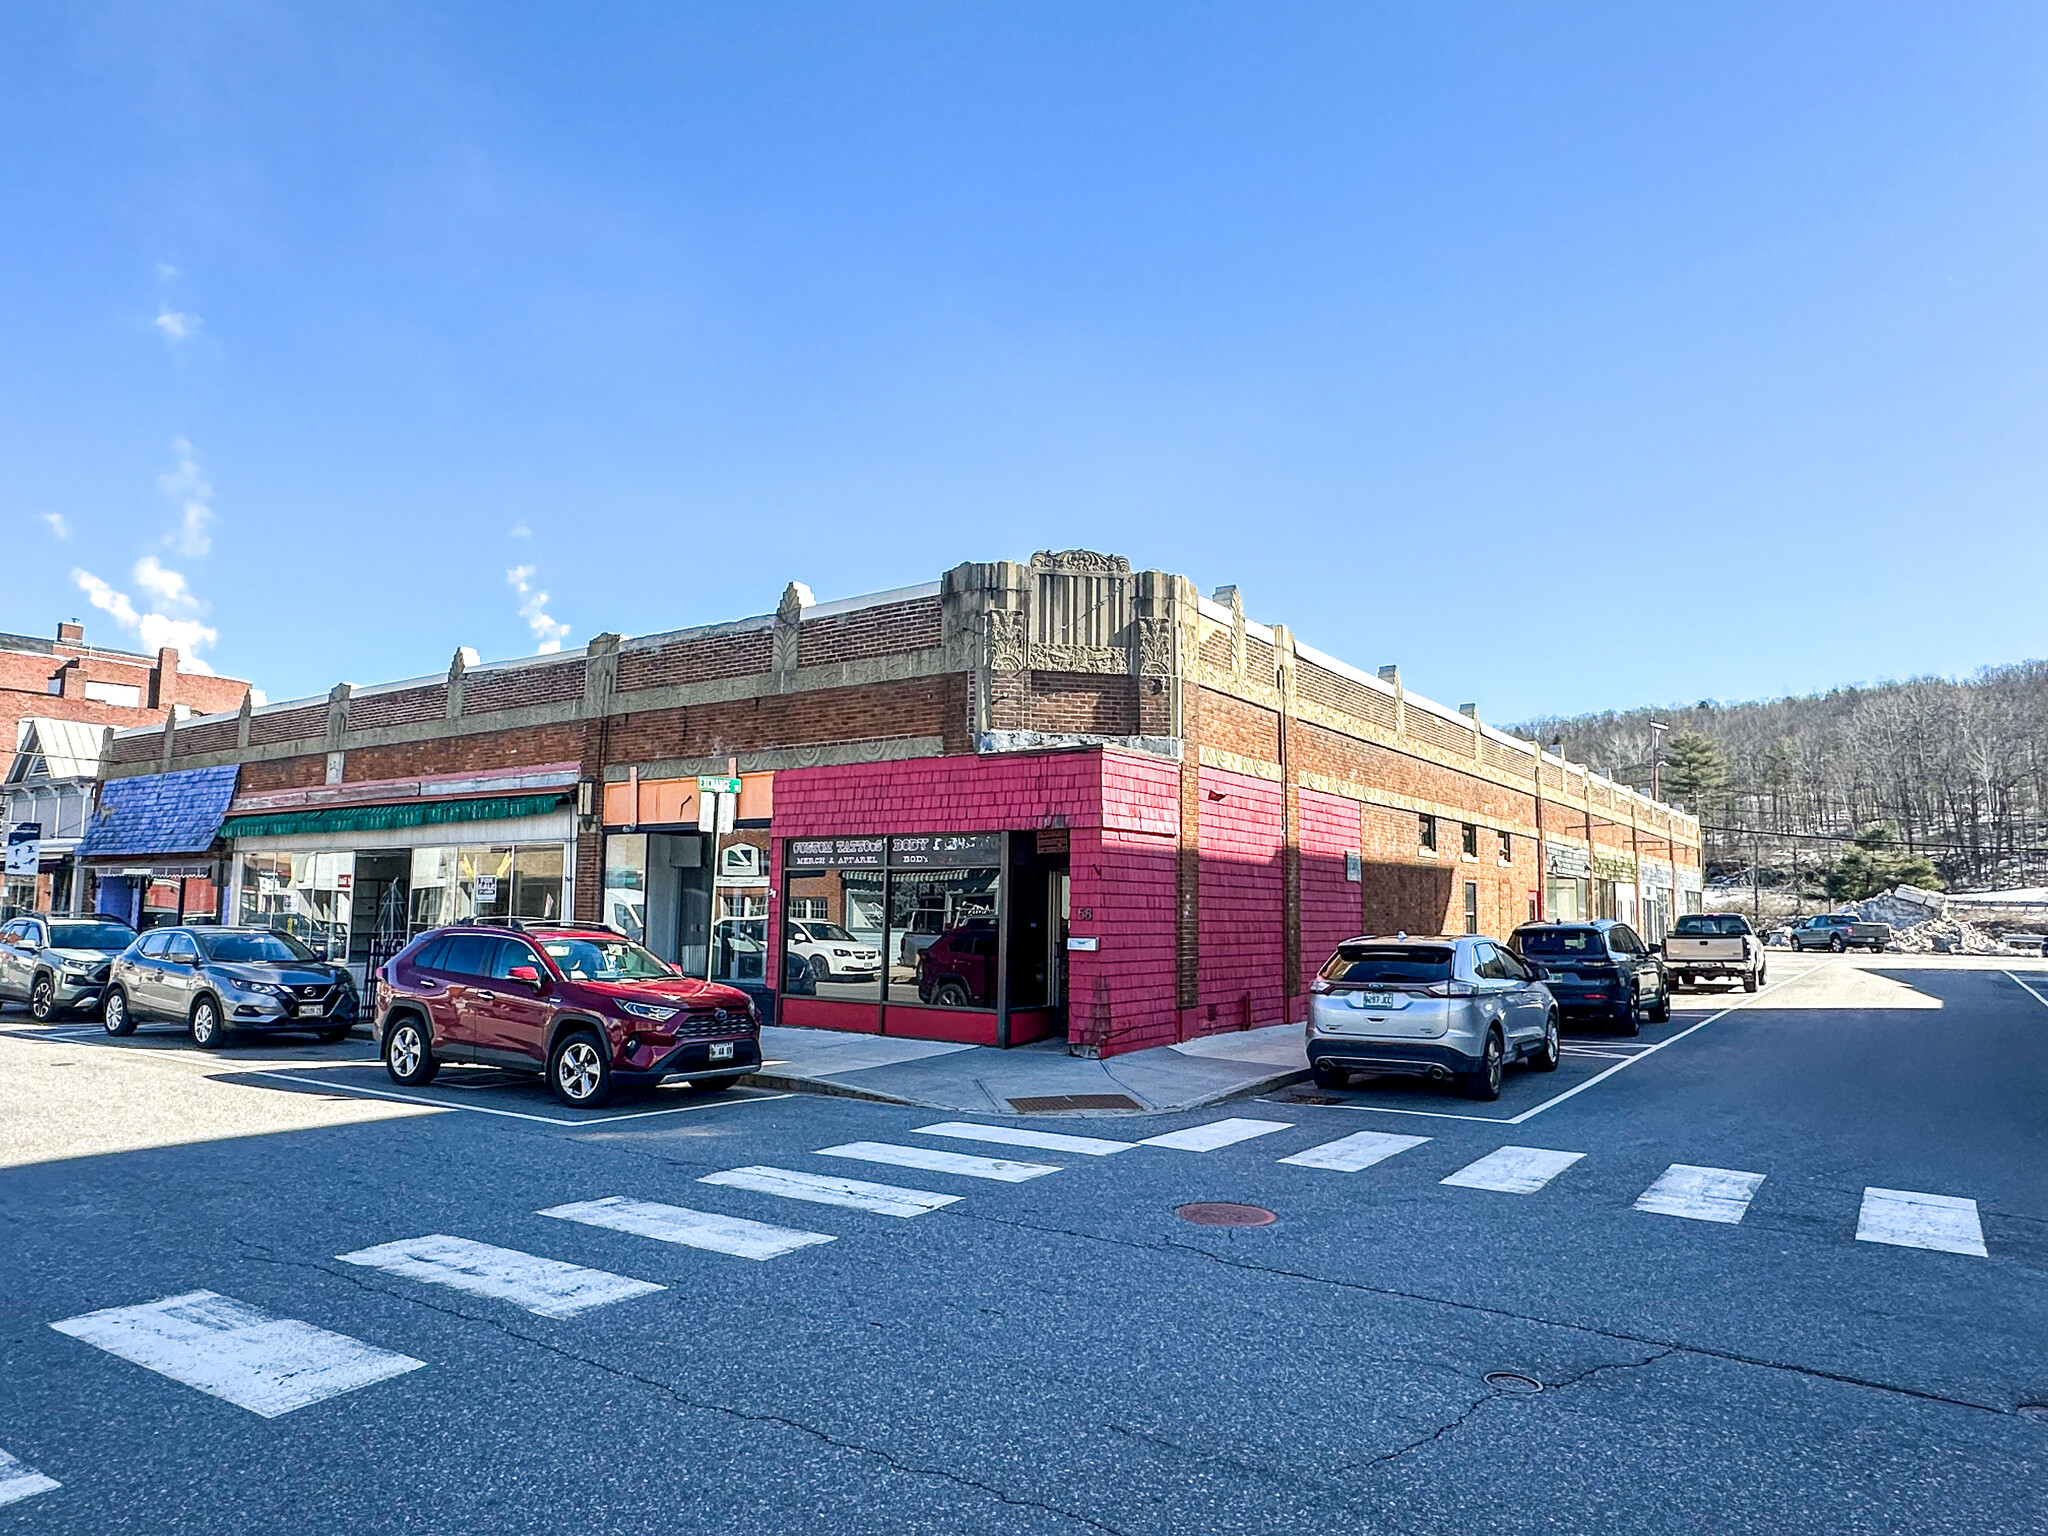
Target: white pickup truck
(1714, 946)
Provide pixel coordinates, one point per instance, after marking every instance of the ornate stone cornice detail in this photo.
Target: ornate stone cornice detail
(1079, 658)
(1155, 648)
(1008, 640)
(1080, 562)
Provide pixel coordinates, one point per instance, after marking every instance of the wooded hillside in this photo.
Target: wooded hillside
(1960, 769)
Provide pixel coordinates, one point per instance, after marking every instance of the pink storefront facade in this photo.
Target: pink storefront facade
(1079, 908)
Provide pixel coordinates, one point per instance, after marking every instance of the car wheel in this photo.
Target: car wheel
(1631, 1017)
(42, 1000)
(205, 1025)
(333, 1036)
(1838, 944)
(579, 1072)
(408, 1056)
(1327, 1076)
(115, 1016)
(1551, 1051)
(821, 968)
(950, 994)
(1484, 1083)
(1751, 980)
(1661, 1014)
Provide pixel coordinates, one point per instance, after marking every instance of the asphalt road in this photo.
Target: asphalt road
(1062, 1352)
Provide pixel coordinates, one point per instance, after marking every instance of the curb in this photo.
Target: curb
(827, 1089)
(1252, 1089)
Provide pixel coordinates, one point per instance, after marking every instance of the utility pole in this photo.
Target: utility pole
(1657, 729)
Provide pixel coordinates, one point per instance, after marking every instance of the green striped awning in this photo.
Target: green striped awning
(385, 818)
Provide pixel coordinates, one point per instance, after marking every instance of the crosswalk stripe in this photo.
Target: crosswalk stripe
(19, 1481)
(1703, 1194)
(1348, 1154)
(545, 1287)
(1011, 1136)
(1905, 1219)
(1217, 1133)
(1514, 1170)
(932, 1160)
(228, 1349)
(733, 1235)
(855, 1194)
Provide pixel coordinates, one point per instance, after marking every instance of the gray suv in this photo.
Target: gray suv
(1453, 1009)
(58, 965)
(212, 980)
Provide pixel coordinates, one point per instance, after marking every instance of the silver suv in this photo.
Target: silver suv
(1453, 1009)
(58, 965)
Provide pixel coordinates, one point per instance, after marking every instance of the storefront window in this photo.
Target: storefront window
(1566, 901)
(454, 885)
(625, 884)
(739, 935)
(913, 921)
(307, 895)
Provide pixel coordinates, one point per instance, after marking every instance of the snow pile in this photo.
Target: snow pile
(1920, 925)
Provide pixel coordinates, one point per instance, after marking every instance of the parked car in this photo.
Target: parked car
(215, 980)
(958, 968)
(1599, 970)
(1839, 931)
(580, 1003)
(1714, 946)
(58, 965)
(1452, 1009)
(832, 953)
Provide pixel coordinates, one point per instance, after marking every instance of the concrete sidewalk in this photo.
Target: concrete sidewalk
(977, 1079)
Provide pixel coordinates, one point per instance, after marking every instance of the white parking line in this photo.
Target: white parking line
(1514, 1170)
(1217, 1133)
(228, 1349)
(855, 1194)
(932, 1160)
(1702, 1194)
(544, 1287)
(1947, 1223)
(2036, 996)
(19, 1481)
(1011, 1136)
(1349, 1154)
(733, 1235)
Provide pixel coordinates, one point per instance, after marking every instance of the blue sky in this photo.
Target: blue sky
(1573, 357)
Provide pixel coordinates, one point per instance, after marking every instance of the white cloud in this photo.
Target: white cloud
(176, 325)
(187, 486)
(550, 632)
(154, 630)
(57, 524)
(168, 585)
(521, 531)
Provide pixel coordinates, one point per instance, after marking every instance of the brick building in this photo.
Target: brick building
(57, 700)
(1028, 798)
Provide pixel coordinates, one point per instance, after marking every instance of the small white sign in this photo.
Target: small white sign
(24, 847)
(1086, 943)
(486, 889)
(1354, 866)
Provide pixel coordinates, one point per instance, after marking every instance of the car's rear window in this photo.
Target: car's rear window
(1710, 926)
(1560, 941)
(1379, 965)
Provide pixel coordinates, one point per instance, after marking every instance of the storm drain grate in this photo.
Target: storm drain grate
(1053, 1103)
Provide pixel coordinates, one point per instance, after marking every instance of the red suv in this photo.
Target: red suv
(581, 1003)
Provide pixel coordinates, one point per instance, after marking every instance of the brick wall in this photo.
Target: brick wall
(1084, 704)
(885, 630)
(25, 678)
(926, 706)
(1233, 725)
(464, 754)
(401, 706)
(697, 660)
(1330, 904)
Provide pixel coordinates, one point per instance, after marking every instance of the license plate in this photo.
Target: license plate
(722, 1052)
(1378, 1000)
(310, 1010)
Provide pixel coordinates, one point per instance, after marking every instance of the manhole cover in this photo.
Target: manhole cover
(1512, 1381)
(2033, 1411)
(1052, 1104)
(1223, 1214)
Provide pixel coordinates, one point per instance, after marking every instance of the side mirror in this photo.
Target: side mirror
(675, 969)
(529, 974)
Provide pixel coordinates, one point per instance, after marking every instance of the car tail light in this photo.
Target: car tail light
(1319, 985)
(1451, 989)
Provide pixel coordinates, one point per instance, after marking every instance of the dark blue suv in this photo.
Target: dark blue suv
(1598, 971)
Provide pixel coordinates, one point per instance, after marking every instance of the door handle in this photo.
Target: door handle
(485, 997)
(429, 986)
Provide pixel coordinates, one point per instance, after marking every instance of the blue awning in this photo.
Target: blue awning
(160, 813)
